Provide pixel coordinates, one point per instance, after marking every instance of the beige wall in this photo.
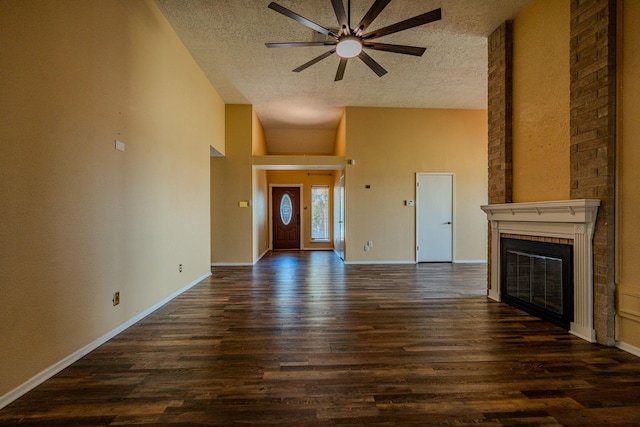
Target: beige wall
(260, 189)
(338, 209)
(541, 165)
(260, 214)
(389, 146)
(258, 141)
(340, 146)
(628, 206)
(306, 178)
(81, 220)
(232, 181)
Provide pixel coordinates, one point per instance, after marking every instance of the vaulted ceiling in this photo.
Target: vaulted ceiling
(300, 110)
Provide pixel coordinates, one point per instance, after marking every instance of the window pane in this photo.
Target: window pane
(286, 209)
(319, 212)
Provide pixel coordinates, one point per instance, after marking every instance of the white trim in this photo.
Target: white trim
(255, 261)
(380, 262)
(470, 261)
(568, 219)
(628, 348)
(52, 370)
(231, 264)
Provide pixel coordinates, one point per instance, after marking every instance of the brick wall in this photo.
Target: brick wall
(593, 137)
(500, 51)
(500, 114)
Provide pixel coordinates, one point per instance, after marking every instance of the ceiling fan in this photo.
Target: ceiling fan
(349, 42)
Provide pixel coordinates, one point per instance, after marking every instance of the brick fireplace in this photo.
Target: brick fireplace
(592, 152)
(566, 220)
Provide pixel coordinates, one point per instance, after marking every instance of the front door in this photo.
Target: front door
(434, 217)
(285, 202)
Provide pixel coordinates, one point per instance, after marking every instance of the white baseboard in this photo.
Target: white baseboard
(470, 261)
(49, 372)
(260, 256)
(231, 264)
(380, 262)
(628, 348)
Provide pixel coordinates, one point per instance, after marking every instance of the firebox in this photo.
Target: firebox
(537, 277)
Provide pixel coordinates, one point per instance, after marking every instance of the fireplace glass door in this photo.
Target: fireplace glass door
(536, 277)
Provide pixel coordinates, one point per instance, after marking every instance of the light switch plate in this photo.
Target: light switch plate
(119, 145)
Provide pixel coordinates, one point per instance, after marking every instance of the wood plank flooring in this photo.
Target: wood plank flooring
(302, 340)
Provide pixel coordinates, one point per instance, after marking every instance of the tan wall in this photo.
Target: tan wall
(260, 207)
(260, 191)
(340, 146)
(541, 165)
(232, 181)
(258, 141)
(81, 220)
(628, 206)
(338, 221)
(307, 179)
(390, 146)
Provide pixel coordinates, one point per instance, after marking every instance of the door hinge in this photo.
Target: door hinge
(417, 248)
(417, 184)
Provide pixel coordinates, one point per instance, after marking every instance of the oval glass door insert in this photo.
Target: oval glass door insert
(286, 209)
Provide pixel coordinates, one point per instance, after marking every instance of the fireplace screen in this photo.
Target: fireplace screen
(536, 277)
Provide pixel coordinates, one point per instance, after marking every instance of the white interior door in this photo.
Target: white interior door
(434, 213)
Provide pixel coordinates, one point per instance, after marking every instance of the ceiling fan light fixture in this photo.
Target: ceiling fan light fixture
(349, 46)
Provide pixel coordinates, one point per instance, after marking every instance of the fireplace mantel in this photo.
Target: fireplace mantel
(568, 219)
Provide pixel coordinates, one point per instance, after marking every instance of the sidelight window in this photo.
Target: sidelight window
(319, 212)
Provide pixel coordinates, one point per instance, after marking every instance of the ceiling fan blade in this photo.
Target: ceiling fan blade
(338, 8)
(314, 60)
(302, 20)
(396, 48)
(416, 21)
(377, 68)
(371, 14)
(341, 67)
(298, 44)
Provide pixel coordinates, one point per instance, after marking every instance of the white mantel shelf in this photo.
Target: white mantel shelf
(576, 211)
(568, 219)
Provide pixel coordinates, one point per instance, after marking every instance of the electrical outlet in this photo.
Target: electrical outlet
(116, 298)
(366, 248)
(180, 268)
(370, 243)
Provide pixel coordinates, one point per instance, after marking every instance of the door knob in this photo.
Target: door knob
(448, 222)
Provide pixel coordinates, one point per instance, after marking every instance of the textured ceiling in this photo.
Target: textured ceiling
(227, 39)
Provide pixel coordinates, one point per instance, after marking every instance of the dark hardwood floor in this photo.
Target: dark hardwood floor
(301, 340)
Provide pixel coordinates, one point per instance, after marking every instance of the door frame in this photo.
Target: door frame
(453, 211)
(339, 217)
(270, 209)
